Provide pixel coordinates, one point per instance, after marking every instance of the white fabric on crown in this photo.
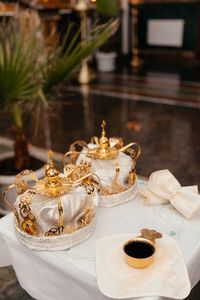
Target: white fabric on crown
(163, 187)
(105, 169)
(45, 208)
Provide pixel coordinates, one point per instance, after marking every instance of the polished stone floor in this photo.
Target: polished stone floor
(167, 133)
(152, 108)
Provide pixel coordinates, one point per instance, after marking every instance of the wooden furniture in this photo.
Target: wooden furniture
(48, 4)
(7, 9)
(50, 12)
(187, 10)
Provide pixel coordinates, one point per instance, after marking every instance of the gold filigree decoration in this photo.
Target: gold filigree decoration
(27, 197)
(107, 149)
(88, 185)
(53, 232)
(28, 223)
(87, 217)
(104, 149)
(21, 180)
(52, 185)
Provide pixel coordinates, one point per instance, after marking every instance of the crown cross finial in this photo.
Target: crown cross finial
(50, 169)
(50, 155)
(103, 126)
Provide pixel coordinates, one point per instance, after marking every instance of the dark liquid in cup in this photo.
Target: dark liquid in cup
(139, 249)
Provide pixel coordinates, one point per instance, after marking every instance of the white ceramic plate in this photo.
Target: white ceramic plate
(167, 276)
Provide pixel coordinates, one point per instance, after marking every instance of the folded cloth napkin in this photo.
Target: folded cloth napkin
(163, 188)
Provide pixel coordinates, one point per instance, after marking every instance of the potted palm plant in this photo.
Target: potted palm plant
(27, 77)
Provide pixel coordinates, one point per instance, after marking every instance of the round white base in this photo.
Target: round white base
(55, 243)
(120, 198)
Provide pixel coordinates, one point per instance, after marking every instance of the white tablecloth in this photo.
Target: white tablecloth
(70, 275)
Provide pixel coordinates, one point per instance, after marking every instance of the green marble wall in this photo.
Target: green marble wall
(187, 11)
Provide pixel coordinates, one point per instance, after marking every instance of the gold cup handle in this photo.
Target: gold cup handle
(150, 234)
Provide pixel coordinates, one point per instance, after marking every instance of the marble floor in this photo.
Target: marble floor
(159, 110)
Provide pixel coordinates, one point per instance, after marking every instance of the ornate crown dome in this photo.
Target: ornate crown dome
(56, 212)
(112, 162)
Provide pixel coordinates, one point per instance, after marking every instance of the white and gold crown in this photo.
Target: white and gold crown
(112, 162)
(56, 212)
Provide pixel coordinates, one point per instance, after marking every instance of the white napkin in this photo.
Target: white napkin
(163, 187)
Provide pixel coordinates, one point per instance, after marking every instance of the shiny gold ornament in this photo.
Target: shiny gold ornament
(27, 197)
(21, 180)
(106, 149)
(85, 74)
(131, 177)
(103, 150)
(88, 185)
(109, 148)
(150, 234)
(136, 61)
(53, 231)
(52, 185)
(28, 223)
(29, 227)
(87, 217)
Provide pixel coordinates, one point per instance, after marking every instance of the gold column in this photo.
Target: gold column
(86, 74)
(136, 62)
(49, 27)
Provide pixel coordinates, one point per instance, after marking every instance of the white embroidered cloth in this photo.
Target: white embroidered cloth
(45, 209)
(105, 169)
(167, 276)
(71, 274)
(163, 188)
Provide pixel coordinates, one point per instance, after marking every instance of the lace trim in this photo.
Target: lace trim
(120, 198)
(61, 242)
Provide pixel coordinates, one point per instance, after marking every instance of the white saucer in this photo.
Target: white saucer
(167, 276)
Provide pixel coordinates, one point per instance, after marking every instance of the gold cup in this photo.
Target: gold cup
(139, 252)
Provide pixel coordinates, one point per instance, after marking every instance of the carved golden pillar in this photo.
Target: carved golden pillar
(136, 62)
(49, 27)
(86, 74)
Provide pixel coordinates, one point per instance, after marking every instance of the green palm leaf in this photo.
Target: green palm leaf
(17, 66)
(25, 78)
(66, 62)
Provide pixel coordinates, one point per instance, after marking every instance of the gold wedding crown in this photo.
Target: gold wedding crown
(106, 149)
(53, 185)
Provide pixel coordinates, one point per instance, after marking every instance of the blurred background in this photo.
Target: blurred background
(66, 65)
